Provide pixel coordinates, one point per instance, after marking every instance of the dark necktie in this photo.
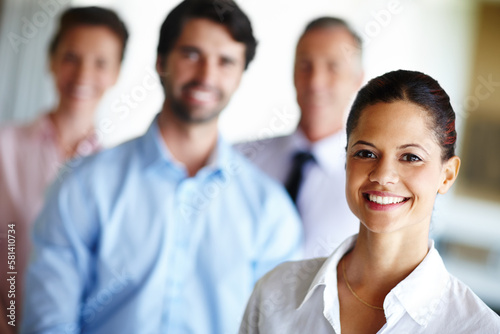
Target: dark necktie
(292, 184)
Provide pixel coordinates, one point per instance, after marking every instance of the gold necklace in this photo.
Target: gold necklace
(354, 293)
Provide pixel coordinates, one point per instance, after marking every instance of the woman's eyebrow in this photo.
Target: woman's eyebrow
(402, 147)
(362, 142)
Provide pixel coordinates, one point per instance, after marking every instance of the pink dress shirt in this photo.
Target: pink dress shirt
(30, 159)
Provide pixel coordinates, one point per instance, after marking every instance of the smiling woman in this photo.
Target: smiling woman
(394, 171)
(85, 58)
(389, 278)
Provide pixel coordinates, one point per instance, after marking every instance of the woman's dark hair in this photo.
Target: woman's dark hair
(224, 12)
(414, 87)
(89, 16)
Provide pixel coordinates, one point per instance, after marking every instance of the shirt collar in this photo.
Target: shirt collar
(156, 153)
(419, 294)
(44, 129)
(328, 152)
(299, 141)
(327, 274)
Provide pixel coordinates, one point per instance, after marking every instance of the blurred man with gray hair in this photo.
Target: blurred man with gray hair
(310, 162)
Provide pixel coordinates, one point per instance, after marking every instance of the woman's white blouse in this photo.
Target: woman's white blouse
(302, 297)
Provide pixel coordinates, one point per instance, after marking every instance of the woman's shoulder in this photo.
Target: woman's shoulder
(14, 136)
(276, 305)
(16, 131)
(463, 304)
(294, 276)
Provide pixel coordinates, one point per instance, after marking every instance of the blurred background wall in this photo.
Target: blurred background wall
(455, 41)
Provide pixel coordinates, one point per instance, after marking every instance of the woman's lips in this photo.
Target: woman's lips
(383, 202)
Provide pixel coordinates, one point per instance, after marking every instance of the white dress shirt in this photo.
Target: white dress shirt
(302, 297)
(321, 199)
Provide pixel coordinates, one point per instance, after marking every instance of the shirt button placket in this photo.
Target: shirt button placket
(184, 215)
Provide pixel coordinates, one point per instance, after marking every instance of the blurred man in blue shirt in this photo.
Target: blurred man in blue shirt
(166, 233)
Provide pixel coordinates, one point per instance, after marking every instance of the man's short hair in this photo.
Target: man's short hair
(224, 12)
(90, 16)
(334, 22)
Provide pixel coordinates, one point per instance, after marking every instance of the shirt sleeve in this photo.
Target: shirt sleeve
(60, 272)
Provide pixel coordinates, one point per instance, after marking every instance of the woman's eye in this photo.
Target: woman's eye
(70, 57)
(365, 154)
(411, 158)
(304, 66)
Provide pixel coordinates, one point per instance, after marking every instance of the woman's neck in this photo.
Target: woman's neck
(379, 261)
(71, 128)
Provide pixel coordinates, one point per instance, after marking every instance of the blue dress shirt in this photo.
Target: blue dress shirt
(129, 243)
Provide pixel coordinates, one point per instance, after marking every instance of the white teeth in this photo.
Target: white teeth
(385, 200)
(201, 96)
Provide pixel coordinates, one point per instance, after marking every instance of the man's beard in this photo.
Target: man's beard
(187, 113)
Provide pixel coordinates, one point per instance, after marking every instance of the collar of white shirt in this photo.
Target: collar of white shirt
(418, 294)
(328, 152)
